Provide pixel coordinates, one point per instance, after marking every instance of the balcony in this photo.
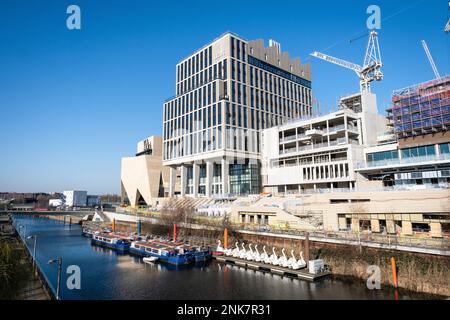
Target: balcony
(314, 133)
(336, 128)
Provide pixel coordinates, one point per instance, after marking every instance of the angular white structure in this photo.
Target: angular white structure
(143, 177)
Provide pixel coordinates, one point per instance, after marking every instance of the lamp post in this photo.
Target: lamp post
(59, 261)
(34, 249)
(24, 231)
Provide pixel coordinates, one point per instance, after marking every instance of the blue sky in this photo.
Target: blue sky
(74, 102)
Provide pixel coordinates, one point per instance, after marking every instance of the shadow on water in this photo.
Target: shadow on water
(105, 274)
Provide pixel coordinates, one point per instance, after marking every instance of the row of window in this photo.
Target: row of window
(270, 83)
(196, 63)
(423, 151)
(198, 98)
(326, 172)
(217, 71)
(194, 143)
(204, 118)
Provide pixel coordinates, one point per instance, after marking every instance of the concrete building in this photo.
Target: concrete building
(321, 153)
(395, 181)
(423, 213)
(75, 198)
(227, 92)
(143, 177)
(420, 154)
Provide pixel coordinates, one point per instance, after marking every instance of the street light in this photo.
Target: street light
(59, 261)
(24, 231)
(34, 249)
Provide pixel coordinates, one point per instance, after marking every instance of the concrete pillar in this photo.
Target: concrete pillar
(183, 180)
(407, 228)
(172, 180)
(355, 225)
(436, 230)
(390, 226)
(342, 221)
(195, 178)
(375, 225)
(437, 151)
(209, 174)
(225, 171)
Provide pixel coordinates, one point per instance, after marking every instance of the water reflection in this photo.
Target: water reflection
(108, 275)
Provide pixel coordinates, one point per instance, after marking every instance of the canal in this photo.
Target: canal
(107, 275)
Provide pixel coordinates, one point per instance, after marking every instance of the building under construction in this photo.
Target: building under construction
(421, 109)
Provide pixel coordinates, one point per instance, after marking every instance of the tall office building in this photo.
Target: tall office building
(227, 92)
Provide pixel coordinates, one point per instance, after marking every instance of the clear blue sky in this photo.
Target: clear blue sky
(74, 102)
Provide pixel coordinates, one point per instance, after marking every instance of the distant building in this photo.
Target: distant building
(55, 202)
(75, 198)
(93, 201)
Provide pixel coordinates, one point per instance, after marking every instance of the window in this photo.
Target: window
(380, 156)
(444, 148)
(419, 152)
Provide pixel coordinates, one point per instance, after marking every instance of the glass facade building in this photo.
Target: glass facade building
(226, 93)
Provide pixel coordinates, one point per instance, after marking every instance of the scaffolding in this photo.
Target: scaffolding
(421, 109)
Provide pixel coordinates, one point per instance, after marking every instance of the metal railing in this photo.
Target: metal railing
(410, 160)
(365, 239)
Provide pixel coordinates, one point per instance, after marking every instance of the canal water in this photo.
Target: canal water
(108, 275)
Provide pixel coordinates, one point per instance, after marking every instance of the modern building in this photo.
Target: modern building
(226, 92)
(143, 177)
(390, 180)
(75, 198)
(92, 201)
(420, 154)
(321, 153)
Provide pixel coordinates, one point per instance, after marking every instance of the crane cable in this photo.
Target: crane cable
(361, 34)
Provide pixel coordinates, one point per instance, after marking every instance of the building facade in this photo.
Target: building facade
(321, 153)
(75, 198)
(143, 177)
(226, 93)
(419, 157)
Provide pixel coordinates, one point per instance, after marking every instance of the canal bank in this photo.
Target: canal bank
(18, 279)
(108, 275)
(421, 273)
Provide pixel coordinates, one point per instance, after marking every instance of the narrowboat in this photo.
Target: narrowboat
(111, 241)
(87, 232)
(201, 254)
(165, 253)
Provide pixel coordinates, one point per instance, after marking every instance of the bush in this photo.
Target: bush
(13, 274)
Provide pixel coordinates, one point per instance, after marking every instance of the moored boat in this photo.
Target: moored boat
(150, 260)
(111, 241)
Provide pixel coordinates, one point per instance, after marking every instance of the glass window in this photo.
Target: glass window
(444, 148)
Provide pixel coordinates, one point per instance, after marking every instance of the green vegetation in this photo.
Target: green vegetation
(14, 274)
(416, 272)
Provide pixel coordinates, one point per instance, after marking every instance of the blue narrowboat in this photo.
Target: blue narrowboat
(201, 254)
(111, 241)
(164, 252)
